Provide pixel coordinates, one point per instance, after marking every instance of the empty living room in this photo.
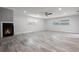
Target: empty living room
(39, 29)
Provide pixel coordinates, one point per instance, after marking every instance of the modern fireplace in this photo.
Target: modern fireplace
(7, 29)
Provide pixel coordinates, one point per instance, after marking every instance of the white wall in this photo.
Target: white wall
(22, 24)
(72, 28)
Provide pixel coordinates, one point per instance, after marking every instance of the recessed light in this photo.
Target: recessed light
(64, 13)
(59, 9)
(25, 11)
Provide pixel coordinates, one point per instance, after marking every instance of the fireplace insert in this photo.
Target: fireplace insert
(8, 29)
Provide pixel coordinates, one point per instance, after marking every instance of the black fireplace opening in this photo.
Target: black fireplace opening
(8, 29)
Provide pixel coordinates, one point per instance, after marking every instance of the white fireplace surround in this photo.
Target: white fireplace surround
(2, 25)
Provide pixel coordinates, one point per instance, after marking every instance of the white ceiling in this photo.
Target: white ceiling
(40, 11)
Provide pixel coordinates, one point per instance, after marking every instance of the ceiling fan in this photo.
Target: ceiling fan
(48, 13)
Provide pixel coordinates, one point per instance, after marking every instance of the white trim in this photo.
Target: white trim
(2, 25)
(1, 30)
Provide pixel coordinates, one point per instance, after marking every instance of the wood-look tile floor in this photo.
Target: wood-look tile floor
(43, 41)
